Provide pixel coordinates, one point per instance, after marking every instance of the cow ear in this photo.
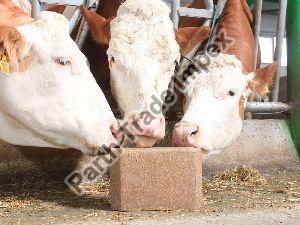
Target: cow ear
(263, 79)
(99, 26)
(12, 48)
(188, 37)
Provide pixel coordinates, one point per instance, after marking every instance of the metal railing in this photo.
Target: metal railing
(177, 11)
(37, 6)
(252, 107)
(281, 22)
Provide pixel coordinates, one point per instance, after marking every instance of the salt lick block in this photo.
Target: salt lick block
(157, 179)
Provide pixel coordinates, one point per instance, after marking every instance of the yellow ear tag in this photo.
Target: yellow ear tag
(4, 65)
(265, 89)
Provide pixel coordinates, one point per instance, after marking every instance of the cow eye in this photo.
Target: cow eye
(63, 61)
(231, 93)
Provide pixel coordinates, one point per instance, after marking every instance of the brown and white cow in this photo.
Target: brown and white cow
(142, 53)
(216, 97)
(49, 98)
(24, 5)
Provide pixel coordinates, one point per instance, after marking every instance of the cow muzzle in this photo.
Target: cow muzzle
(114, 139)
(146, 131)
(186, 134)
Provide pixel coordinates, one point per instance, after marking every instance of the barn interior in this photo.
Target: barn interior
(267, 153)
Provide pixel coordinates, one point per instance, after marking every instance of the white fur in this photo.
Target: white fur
(209, 106)
(144, 48)
(51, 105)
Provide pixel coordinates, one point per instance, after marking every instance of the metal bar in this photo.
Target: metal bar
(251, 2)
(257, 23)
(174, 12)
(210, 7)
(278, 52)
(63, 2)
(267, 107)
(256, 107)
(74, 20)
(293, 47)
(195, 13)
(36, 8)
(83, 27)
(270, 11)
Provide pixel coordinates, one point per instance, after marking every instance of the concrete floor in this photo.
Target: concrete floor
(33, 199)
(283, 216)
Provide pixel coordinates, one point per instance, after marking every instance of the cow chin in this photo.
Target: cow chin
(145, 142)
(139, 142)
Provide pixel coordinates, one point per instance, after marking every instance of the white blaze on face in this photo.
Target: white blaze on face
(142, 53)
(50, 104)
(212, 102)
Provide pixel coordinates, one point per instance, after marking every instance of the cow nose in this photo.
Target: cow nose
(186, 135)
(117, 132)
(149, 127)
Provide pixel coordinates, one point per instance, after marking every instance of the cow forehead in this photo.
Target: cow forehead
(53, 23)
(219, 82)
(144, 9)
(138, 38)
(48, 35)
(223, 73)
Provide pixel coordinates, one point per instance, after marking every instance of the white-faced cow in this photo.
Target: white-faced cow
(216, 96)
(49, 98)
(142, 54)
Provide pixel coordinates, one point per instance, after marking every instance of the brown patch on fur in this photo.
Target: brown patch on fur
(96, 53)
(189, 37)
(12, 45)
(263, 78)
(236, 25)
(26, 63)
(57, 8)
(242, 107)
(11, 15)
(99, 26)
(11, 42)
(247, 11)
(193, 22)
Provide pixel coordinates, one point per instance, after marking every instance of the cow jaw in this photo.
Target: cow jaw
(142, 53)
(212, 105)
(50, 104)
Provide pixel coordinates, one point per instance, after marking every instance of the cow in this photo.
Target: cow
(24, 5)
(49, 97)
(143, 50)
(194, 22)
(216, 96)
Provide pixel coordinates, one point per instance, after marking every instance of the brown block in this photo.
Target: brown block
(157, 179)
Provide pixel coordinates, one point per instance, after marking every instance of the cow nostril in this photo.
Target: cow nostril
(117, 133)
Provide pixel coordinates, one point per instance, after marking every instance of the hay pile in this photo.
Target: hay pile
(98, 189)
(245, 176)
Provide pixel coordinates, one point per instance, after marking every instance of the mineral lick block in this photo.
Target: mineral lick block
(157, 179)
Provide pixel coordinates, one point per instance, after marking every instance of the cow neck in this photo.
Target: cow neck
(109, 8)
(235, 24)
(13, 16)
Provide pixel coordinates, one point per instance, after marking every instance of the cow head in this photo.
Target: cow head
(50, 98)
(214, 103)
(143, 50)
